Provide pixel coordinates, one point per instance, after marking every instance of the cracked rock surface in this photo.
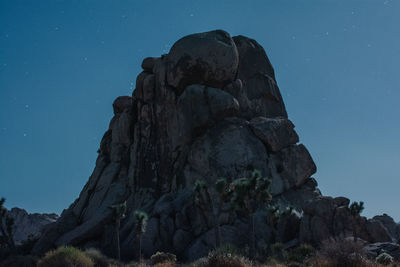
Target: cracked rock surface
(210, 108)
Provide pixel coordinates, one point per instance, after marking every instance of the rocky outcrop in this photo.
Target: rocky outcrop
(326, 217)
(390, 225)
(210, 108)
(375, 249)
(26, 224)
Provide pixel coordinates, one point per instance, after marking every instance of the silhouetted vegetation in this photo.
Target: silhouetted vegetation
(249, 194)
(99, 260)
(119, 212)
(384, 259)
(140, 225)
(164, 258)
(356, 208)
(66, 257)
(204, 201)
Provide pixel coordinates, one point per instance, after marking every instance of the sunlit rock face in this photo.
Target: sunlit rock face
(210, 108)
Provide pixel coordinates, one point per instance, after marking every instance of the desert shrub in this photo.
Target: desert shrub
(66, 257)
(340, 253)
(227, 256)
(300, 253)
(356, 208)
(226, 249)
(384, 259)
(163, 259)
(20, 261)
(229, 261)
(99, 260)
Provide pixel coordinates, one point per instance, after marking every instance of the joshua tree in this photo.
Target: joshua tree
(275, 215)
(141, 218)
(205, 202)
(6, 226)
(119, 212)
(249, 194)
(355, 209)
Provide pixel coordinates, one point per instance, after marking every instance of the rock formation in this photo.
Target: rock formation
(210, 108)
(26, 224)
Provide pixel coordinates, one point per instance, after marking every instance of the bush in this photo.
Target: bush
(163, 259)
(66, 257)
(227, 256)
(384, 259)
(228, 261)
(340, 253)
(301, 253)
(226, 249)
(99, 260)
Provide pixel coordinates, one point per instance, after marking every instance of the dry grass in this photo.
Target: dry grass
(340, 253)
(66, 257)
(165, 264)
(163, 259)
(98, 258)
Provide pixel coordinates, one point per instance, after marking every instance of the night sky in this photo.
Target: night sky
(62, 63)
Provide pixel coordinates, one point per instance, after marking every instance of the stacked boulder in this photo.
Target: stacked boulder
(210, 108)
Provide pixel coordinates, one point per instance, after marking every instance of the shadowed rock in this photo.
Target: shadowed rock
(209, 58)
(276, 133)
(29, 224)
(210, 108)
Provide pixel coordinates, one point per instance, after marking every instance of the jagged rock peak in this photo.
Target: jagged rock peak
(210, 108)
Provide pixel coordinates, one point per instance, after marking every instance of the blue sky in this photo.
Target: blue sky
(62, 63)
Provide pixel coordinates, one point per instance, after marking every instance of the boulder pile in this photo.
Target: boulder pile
(210, 108)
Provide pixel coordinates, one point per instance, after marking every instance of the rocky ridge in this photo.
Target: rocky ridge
(209, 108)
(26, 224)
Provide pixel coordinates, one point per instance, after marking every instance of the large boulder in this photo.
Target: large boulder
(377, 231)
(275, 133)
(228, 150)
(258, 93)
(209, 58)
(390, 225)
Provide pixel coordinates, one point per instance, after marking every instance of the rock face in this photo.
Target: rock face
(26, 224)
(210, 108)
